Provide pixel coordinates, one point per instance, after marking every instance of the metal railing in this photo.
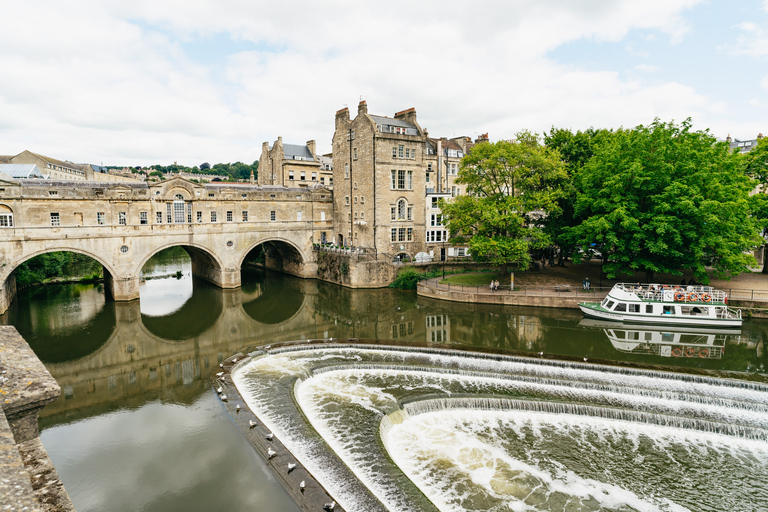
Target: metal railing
(577, 292)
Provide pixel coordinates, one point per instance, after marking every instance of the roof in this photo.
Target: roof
(86, 184)
(21, 170)
(391, 122)
(291, 150)
(98, 168)
(744, 146)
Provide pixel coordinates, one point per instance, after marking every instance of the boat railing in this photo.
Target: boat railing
(670, 293)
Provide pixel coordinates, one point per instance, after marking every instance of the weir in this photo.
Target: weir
(354, 395)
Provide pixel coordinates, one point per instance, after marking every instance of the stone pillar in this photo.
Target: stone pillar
(121, 288)
(7, 293)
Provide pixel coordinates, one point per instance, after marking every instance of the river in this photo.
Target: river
(137, 426)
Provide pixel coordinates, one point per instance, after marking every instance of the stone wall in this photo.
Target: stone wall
(345, 269)
(28, 480)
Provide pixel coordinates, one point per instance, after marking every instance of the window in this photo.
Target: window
(244, 196)
(272, 215)
(199, 217)
(436, 219)
(229, 216)
(393, 212)
(649, 309)
(178, 209)
(159, 217)
(410, 234)
(355, 185)
(346, 200)
(400, 151)
(435, 202)
(355, 199)
(213, 216)
(322, 215)
(427, 178)
(622, 307)
(409, 183)
(362, 199)
(314, 176)
(409, 216)
(53, 193)
(143, 218)
(100, 218)
(121, 218)
(401, 209)
(354, 153)
(6, 220)
(394, 152)
(634, 308)
(401, 180)
(429, 167)
(303, 175)
(362, 215)
(407, 153)
(346, 171)
(401, 234)
(211, 194)
(245, 215)
(290, 175)
(393, 235)
(298, 216)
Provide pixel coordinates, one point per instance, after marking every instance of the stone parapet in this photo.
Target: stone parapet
(28, 480)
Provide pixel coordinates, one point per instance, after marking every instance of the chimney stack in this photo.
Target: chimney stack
(362, 108)
(311, 147)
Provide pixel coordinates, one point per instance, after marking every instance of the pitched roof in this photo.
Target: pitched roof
(291, 150)
(391, 122)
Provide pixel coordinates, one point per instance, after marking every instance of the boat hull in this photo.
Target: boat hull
(702, 321)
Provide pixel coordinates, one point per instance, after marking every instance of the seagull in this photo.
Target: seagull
(223, 398)
(302, 485)
(291, 466)
(541, 354)
(220, 374)
(271, 453)
(219, 389)
(270, 436)
(221, 365)
(267, 347)
(238, 408)
(234, 361)
(329, 506)
(252, 424)
(585, 359)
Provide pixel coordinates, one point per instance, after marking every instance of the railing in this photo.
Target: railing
(593, 295)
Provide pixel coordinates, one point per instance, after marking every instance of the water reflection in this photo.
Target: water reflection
(160, 351)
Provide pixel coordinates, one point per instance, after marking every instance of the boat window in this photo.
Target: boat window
(634, 308)
(648, 336)
(608, 304)
(633, 335)
(668, 336)
(649, 309)
(620, 307)
(669, 310)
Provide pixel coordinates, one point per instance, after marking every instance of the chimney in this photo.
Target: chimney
(311, 147)
(342, 117)
(362, 107)
(409, 116)
(759, 136)
(728, 139)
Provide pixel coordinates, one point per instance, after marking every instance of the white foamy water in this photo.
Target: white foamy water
(557, 437)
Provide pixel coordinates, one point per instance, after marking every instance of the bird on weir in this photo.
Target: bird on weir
(238, 408)
(271, 453)
(329, 506)
(302, 485)
(270, 436)
(252, 423)
(291, 466)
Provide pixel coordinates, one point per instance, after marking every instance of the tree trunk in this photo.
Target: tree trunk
(765, 259)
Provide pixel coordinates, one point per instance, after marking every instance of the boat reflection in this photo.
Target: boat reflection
(666, 341)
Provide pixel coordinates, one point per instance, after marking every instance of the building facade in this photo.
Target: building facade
(292, 165)
(389, 176)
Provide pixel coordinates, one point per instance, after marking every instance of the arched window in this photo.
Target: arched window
(401, 209)
(178, 209)
(6, 217)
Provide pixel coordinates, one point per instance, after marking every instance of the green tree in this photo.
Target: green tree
(511, 185)
(663, 199)
(575, 149)
(756, 167)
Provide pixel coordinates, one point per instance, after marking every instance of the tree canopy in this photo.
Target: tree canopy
(756, 167)
(510, 185)
(662, 199)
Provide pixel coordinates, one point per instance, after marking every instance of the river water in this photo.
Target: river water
(138, 428)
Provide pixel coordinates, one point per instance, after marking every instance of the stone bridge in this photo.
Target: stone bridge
(123, 225)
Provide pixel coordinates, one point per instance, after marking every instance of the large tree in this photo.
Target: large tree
(663, 199)
(756, 167)
(510, 186)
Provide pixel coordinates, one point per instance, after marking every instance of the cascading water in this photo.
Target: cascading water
(425, 429)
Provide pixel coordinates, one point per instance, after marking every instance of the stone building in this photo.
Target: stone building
(60, 170)
(291, 165)
(389, 176)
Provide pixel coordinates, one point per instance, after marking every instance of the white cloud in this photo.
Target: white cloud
(752, 41)
(764, 82)
(109, 81)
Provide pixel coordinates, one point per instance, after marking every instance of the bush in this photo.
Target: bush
(407, 279)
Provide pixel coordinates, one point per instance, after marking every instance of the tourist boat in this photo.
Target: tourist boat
(657, 304)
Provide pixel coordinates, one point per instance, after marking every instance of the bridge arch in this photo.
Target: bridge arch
(205, 263)
(280, 254)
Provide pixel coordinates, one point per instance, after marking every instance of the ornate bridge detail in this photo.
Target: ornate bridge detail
(123, 225)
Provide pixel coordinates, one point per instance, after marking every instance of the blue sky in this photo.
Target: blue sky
(158, 81)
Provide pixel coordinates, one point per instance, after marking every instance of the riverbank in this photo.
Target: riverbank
(562, 287)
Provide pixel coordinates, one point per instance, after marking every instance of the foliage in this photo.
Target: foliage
(57, 264)
(575, 149)
(662, 199)
(756, 167)
(205, 166)
(407, 279)
(510, 186)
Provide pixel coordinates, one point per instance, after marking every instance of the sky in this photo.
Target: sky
(191, 81)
